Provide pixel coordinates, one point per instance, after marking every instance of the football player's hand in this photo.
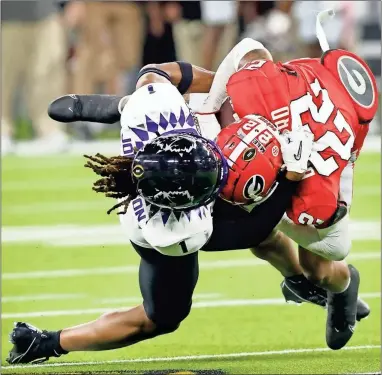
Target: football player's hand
(296, 148)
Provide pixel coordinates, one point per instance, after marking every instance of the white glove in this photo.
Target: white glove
(296, 147)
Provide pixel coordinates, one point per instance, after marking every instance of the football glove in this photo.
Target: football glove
(296, 148)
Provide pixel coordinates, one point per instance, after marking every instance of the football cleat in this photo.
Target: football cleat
(95, 108)
(31, 345)
(342, 311)
(304, 291)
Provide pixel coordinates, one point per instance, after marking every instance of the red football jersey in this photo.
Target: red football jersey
(327, 98)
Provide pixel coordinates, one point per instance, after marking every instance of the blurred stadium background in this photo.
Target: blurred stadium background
(64, 260)
(51, 47)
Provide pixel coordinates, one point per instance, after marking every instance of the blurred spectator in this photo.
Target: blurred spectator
(369, 34)
(33, 52)
(188, 30)
(109, 37)
(159, 46)
(369, 45)
(339, 29)
(270, 22)
(220, 32)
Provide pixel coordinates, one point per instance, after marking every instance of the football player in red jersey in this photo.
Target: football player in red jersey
(345, 76)
(334, 98)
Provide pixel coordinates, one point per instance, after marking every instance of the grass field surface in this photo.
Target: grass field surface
(64, 262)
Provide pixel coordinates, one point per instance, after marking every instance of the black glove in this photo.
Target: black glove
(94, 108)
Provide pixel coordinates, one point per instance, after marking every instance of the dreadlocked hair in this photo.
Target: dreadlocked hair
(116, 181)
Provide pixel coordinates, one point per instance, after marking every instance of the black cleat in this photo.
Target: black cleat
(31, 345)
(299, 289)
(95, 108)
(342, 310)
(363, 309)
(304, 291)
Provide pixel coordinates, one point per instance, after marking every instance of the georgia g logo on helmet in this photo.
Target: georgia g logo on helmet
(254, 159)
(356, 80)
(254, 187)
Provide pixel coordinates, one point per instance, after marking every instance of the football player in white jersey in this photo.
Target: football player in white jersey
(158, 314)
(278, 250)
(166, 180)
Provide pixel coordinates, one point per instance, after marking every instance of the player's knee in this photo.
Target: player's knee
(168, 320)
(165, 329)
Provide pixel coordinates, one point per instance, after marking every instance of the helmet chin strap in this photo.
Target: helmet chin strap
(320, 33)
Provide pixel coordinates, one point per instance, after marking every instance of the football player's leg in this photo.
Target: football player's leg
(331, 244)
(342, 283)
(167, 285)
(279, 251)
(331, 275)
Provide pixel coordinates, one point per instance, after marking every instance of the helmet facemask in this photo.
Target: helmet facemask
(179, 171)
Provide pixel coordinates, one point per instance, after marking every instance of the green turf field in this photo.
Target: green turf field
(64, 262)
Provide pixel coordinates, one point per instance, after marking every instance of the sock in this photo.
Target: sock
(56, 340)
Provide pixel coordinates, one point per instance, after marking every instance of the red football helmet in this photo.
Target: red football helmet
(253, 154)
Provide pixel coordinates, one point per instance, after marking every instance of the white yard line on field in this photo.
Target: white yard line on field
(41, 297)
(195, 305)
(42, 208)
(47, 185)
(133, 269)
(87, 235)
(200, 357)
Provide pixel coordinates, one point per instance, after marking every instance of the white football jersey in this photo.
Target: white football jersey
(152, 110)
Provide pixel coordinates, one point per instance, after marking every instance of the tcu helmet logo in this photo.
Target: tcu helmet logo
(254, 186)
(138, 171)
(356, 80)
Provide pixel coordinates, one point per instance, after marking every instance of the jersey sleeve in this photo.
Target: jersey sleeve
(359, 140)
(315, 201)
(260, 87)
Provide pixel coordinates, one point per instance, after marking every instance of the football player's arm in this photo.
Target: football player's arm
(186, 77)
(244, 52)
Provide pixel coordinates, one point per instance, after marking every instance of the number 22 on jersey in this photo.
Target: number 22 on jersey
(330, 140)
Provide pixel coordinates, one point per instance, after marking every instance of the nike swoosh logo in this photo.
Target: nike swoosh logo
(299, 152)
